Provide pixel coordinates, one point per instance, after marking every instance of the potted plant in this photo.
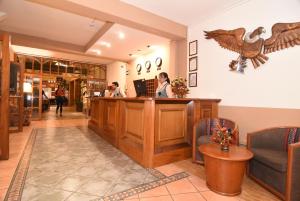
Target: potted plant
(224, 136)
(179, 87)
(79, 105)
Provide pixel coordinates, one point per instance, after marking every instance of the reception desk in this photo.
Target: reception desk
(151, 131)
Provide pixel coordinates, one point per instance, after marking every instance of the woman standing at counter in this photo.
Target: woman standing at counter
(164, 89)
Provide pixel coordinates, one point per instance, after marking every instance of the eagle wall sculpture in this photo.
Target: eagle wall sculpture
(252, 46)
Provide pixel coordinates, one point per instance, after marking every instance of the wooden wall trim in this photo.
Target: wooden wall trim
(4, 107)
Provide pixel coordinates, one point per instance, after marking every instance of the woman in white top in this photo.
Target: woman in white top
(164, 89)
(117, 91)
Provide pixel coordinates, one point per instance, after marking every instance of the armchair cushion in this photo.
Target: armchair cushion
(276, 160)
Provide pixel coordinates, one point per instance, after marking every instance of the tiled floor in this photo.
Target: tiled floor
(76, 162)
(188, 189)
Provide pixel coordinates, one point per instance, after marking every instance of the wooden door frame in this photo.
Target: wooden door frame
(4, 103)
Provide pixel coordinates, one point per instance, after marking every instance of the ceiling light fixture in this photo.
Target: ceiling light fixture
(104, 43)
(98, 52)
(92, 23)
(121, 35)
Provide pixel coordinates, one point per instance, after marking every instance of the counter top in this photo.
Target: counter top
(156, 99)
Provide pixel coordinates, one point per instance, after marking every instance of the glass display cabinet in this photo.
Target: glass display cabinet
(15, 99)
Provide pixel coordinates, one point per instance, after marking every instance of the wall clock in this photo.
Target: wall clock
(139, 68)
(148, 66)
(158, 63)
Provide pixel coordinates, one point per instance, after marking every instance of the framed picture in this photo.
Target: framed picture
(193, 80)
(193, 64)
(193, 50)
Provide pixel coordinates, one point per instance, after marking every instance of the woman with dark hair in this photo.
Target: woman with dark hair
(164, 89)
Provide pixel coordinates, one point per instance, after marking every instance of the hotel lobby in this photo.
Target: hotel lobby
(144, 100)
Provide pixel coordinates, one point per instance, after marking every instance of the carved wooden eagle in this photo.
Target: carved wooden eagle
(252, 46)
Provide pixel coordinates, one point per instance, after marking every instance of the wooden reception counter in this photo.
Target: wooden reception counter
(151, 131)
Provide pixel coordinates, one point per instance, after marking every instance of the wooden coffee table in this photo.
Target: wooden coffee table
(225, 170)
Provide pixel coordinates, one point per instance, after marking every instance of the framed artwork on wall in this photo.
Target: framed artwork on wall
(193, 64)
(193, 49)
(193, 80)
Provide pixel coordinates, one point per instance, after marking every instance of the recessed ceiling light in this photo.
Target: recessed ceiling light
(121, 35)
(98, 52)
(104, 43)
(92, 23)
(153, 47)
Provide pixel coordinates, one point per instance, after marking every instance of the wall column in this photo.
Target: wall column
(4, 106)
(178, 58)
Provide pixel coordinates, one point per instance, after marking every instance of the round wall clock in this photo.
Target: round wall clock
(138, 68)
(158, 62)
(148, 65)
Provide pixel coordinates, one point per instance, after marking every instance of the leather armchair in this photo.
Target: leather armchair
(276, 161)
(203, 130)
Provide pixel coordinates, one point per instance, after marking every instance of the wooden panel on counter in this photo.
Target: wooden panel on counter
(151, 131)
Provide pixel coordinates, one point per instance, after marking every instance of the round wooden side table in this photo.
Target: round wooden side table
(225, 169)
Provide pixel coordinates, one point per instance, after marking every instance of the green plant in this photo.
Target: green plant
(78, 102)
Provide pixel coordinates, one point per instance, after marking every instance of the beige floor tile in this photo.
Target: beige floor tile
(188, 197)
(134, 197)
(169, 169)
(160, 198)
(211, 196)
(2, 194)
(199, 183)
(181, 186)
(159, 191)
(4, 182)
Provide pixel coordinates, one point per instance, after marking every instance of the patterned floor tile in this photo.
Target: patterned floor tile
(55, 169)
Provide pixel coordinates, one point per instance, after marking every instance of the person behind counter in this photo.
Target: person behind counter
(164, 89)
(117, 91)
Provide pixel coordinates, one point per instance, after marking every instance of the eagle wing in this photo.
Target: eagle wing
(284, 35)
(228, 39)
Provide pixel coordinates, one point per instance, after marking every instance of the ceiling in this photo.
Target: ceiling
(187, 12)
(80, 34)
(135, 42)
(36, 20)
(30, 19)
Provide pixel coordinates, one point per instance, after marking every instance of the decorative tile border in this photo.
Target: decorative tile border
(144, 187)
(15, 190)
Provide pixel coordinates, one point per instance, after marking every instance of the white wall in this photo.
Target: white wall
(163, 52)
(116, 72)
(275, 84)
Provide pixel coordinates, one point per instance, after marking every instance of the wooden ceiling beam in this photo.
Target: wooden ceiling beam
(98, 35)
(42, 43)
